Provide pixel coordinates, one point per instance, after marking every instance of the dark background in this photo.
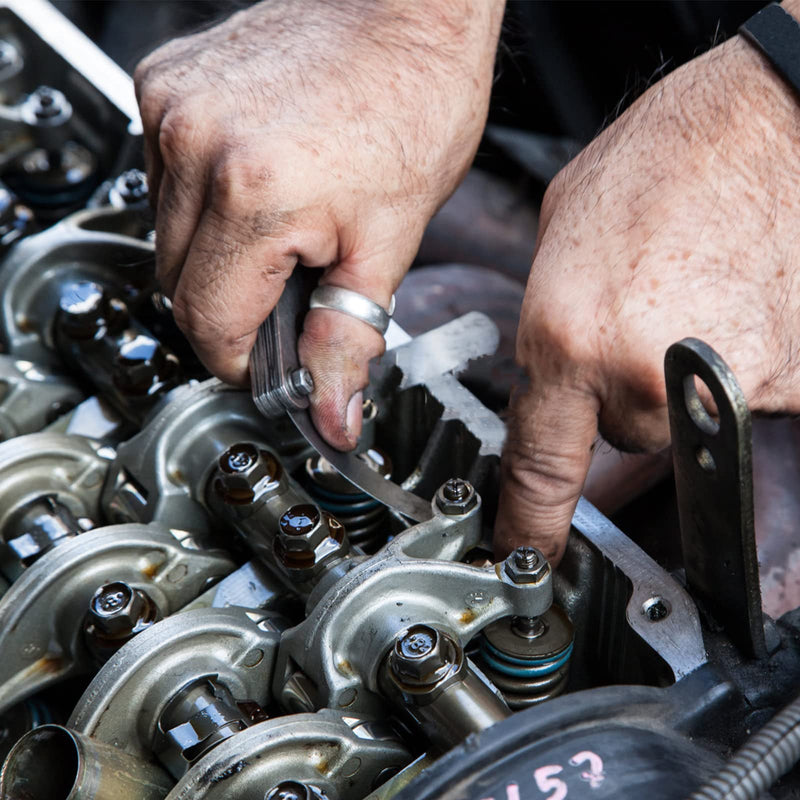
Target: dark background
(564, 68)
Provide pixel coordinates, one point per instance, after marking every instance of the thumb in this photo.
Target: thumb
(337, 348)
(545, 460)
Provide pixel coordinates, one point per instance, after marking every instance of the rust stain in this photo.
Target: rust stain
(47, 665)
(322, 767)
(467, 617)
(25, 324)
(176, 476)
(345, 667)
(149, 570)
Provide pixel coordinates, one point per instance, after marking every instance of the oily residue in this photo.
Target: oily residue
(234, 769)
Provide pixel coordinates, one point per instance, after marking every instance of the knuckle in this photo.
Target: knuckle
(181, 133)
(236, 177)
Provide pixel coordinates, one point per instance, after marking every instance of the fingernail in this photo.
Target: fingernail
(355, 415)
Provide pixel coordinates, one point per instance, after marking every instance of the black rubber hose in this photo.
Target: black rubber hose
(768, 755)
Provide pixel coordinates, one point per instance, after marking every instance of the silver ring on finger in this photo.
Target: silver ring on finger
(355, 305)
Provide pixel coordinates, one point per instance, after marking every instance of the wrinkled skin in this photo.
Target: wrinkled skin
(681, 219)
(321, 134)
(328, 134)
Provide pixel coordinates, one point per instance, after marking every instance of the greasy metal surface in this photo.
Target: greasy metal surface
(42, 613)
(714, 484)
(235, 645)
(68, 467)
(341, 754)
(51, 757)
(676, 638)
(416, 577)
(161, 473)
(36, 271)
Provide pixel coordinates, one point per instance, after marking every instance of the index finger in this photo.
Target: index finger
(545, 461)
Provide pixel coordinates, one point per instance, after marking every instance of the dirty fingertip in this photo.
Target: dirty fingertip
(354, 416)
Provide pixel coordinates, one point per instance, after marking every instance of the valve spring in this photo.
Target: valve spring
(528, 678)
(365, 519)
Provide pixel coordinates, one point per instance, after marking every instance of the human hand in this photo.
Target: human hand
(681, 219)
(320, 134)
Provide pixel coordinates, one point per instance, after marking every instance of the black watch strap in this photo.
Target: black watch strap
(776, 33)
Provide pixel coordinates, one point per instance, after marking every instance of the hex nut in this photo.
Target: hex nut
(243, 471)
(456, 496)
(422, 656)
(519, 571)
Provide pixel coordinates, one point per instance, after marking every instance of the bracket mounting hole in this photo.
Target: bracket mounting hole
(705, 459)
(656, 609)
(700, 404)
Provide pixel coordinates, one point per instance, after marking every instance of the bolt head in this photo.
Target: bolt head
(242, 470)
(131, 187)
(83, 309)
(300, 520)
(421, 655)
(294, 790)
(117, 609)
(140, 363)
(302, 382)
(526, 565)
(46, 106)
(308, 539)
(456, 496)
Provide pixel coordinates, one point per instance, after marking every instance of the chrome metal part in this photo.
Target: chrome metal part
(161, 473)
(341, 755)
(417, 577)
(53, 762)
(435, 683)
(280, 383)
(675, 635)
(714, 483)
(45, 468)
(41, 615)
(31, 396)
(235, 646)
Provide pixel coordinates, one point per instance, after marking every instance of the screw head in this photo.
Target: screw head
(455, 489)
(294, 790)
(422, 656)
(526, 565)
(300, 520)
(526, 557)
(456, 496)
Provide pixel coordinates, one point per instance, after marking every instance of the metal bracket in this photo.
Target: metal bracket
(714, 484)
(280, 384)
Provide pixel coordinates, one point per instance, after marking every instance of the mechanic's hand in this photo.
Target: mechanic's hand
(313, 133)
(681, 219)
